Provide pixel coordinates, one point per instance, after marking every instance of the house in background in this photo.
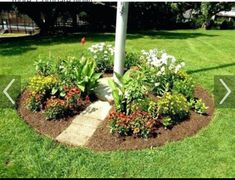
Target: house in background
(13, 22)
(226, 14)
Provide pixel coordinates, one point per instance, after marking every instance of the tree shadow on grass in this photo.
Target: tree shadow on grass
(171, 35)
(20, 45)
(210, 68)
(16, 50)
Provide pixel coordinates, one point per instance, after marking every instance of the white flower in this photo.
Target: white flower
(162, 69)
(159, 73)
(126, 94)
(164, 58)
(156, 84)
(172, 58)
(177, 68)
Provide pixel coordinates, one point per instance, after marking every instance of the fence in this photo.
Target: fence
(13, 22)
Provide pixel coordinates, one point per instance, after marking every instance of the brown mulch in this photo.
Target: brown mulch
(102, 140)
(37, 120)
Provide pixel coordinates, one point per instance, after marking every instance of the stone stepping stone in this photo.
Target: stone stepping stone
(103, 91)
(84, 125)
(97, 110)
(73, 136)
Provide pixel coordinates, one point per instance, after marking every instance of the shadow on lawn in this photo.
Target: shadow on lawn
(20, 45)
(170, 35)
(211, 68)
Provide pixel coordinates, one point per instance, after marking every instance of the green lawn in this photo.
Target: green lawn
(210, 153)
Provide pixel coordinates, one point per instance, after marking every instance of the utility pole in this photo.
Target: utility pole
(120, 37)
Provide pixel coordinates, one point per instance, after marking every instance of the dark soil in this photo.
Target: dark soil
(37, 120)
(102, 140)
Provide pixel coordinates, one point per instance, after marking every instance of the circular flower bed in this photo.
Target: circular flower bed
(154, 99)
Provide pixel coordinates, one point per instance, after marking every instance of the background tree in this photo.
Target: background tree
(209, 9)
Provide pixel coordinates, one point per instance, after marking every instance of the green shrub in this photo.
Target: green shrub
(56, 112)
(166, 121)
(132, 59)
(173, 105)
(43, 68)
(152, 109)
(185, 87)
(67, 86)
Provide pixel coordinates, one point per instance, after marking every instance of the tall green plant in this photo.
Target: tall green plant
(80, 73)
(129, 90)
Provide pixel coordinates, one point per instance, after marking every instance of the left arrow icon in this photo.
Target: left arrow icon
(5, 91)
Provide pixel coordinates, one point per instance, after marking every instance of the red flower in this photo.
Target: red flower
(83, 40)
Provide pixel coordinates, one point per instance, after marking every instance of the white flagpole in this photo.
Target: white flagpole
(120, 36)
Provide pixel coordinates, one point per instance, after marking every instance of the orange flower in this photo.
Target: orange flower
(83, 40)
(136, 130)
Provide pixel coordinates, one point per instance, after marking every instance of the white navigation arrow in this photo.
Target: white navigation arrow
(228, 91)
(5, 91)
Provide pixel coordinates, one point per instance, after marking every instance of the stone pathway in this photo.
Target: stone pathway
(84, 125)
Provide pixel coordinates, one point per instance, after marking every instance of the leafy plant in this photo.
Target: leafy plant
(34, 103)
(128, 91)
(152, 109)
(185, 87)
(80, 73)
(174, 106)
(131, 59)
(198, 106)
(166, 121)
(43, 68)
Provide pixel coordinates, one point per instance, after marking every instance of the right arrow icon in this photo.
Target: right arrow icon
(228, 91)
